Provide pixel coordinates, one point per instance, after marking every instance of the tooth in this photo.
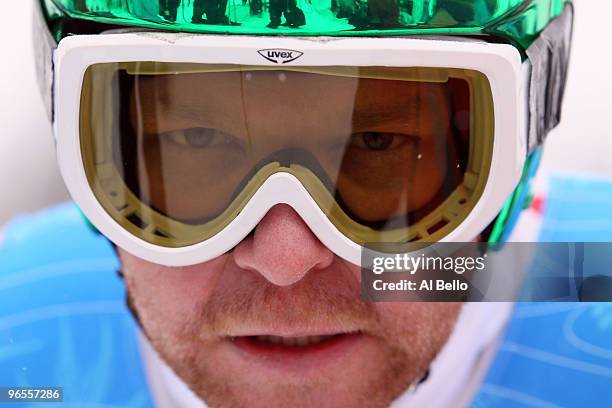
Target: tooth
(315, 339)
(293, 341)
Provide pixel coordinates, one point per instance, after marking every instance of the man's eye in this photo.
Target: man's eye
(378, 140)
(199, 138)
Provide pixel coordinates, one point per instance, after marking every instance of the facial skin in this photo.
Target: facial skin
(282, 281)
(204, 320)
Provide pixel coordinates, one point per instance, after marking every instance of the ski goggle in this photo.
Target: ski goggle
(176, 149)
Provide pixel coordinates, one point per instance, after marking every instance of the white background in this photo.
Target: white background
(29, 177)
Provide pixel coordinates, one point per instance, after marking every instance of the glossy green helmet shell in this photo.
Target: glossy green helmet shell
(516, 21)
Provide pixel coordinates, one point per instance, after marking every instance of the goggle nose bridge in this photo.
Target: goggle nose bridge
(287, 160)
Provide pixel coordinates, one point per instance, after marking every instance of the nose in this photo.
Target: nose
(283, 249)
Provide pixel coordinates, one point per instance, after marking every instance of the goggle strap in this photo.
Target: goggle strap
(518, 201)
(549, 56)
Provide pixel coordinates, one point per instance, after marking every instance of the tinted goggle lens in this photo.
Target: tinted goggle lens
(174, 151)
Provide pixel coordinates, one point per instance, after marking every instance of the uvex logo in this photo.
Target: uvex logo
(279, 55)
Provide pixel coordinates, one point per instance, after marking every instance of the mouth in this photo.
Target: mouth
(299, 353)
(300, 343)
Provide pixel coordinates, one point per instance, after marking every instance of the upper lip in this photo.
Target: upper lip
(289, 332)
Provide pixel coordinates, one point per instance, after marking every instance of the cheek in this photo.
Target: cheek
(168, 296)
(418, 327)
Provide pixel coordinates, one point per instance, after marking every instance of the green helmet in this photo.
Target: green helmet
(516, 21)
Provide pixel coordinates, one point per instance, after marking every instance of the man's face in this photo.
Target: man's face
(278, 320)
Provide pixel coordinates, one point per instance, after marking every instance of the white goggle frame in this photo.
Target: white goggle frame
(500, 63)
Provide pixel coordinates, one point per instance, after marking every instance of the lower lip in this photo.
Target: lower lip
(298, 358)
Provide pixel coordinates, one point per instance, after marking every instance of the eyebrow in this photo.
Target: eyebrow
(187, 112)
(363, 118)
(366, 118)
(365, 115)
(370, 114)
